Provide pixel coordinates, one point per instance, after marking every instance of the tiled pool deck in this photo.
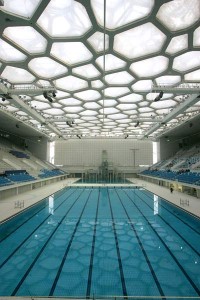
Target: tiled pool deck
(8, 206)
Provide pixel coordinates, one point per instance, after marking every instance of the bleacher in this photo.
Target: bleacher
(18, 166)
(19, 154)
(4, 181)
(183, 167)
(187, 177)
(19, 176)
(189, 162)
(50, 173)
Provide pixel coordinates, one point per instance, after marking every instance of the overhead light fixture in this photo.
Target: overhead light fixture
(158, 97)
(69, 124)
(137, 124)
(46, 96)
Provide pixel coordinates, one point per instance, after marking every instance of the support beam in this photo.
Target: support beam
(30, 90)
(62, 119)
(134, 150)
(143, 120)
(30, 111)
(174, 113)
(10, 115)
(183, 88)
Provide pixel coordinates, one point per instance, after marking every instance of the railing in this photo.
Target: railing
(189, 88)
(31, 86)
(19, 204)
(20, 89)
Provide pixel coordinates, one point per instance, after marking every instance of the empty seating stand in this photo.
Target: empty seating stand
(187, 177)
(19, 176)
(4, 181)
(16, 167)
(19, 154)
(50, 173)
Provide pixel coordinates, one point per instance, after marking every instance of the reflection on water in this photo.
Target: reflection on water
(155, 202)
(51, 204)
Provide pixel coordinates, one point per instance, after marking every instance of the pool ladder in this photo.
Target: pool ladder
(184, 202)
(19, 204)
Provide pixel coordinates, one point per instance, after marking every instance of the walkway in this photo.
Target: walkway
(8, 206)
(175, 197)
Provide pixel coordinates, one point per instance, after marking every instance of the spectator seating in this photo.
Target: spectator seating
(18, 166)
(19, 176)
(185, 176)
(50, 173)
(5, 181)
(19, 154)
(183, 167)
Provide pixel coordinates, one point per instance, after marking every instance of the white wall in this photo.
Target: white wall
(88, 152)
(168, 148)
(38, 149)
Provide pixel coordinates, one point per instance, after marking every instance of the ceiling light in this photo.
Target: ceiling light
(46, 96)
(69, 123)
(158, 97)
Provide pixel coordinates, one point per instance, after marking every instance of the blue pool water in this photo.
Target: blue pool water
(85, 242)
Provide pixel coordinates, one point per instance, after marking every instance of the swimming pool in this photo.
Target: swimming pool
(92, 242)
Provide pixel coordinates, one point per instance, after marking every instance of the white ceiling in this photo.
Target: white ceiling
(102, 60)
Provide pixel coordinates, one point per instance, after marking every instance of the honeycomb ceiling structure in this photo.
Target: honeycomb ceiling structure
(103, 58)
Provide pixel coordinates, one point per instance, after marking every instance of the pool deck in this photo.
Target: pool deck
(8, 207)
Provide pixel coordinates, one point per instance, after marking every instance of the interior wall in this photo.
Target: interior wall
(88, 152)
(37, 148)
(169, 147)
(12, 141)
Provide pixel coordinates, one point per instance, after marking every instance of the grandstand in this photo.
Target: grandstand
(182, 168)
(20, 167)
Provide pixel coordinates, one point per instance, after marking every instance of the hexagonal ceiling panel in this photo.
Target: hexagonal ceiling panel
(27, 38)
(101, 68)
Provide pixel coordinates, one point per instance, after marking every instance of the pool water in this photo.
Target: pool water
(92, 242)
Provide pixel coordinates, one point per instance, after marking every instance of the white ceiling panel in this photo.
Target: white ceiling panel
(106, 66)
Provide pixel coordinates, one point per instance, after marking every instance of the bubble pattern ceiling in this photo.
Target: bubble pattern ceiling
(103, 76)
